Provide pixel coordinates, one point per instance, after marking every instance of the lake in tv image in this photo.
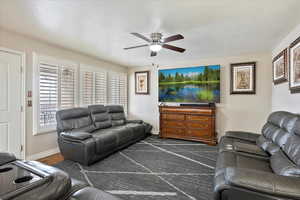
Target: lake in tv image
(190, 84)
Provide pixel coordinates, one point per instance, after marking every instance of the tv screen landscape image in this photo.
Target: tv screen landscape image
(190, 85)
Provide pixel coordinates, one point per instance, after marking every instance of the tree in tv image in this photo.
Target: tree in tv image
(192, 84)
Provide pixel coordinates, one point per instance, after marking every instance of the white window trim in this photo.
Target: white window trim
(93, 69)
(37, 59)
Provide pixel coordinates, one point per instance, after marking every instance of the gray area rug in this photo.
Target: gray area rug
(152, 169)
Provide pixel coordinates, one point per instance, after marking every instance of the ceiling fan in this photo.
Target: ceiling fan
(156, 42)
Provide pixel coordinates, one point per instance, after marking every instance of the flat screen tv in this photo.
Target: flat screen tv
(199, 84)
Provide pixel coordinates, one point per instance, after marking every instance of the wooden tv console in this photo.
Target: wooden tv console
(188, 122)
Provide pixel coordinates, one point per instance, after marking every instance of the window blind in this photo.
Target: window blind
(48, 94)
(118, 89)
(88, 88)
(94, 88)
(100, 88)
(67, 88)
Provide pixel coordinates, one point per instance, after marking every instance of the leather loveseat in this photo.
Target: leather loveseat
(260, 166)
(86, 135)
(30, 180)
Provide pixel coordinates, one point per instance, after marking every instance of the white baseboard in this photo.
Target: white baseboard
(42, 154)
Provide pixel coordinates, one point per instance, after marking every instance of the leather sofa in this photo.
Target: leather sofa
(32, 180)
(86, 135)
(263, 166)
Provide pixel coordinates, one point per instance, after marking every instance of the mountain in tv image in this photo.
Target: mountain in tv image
(191, 84)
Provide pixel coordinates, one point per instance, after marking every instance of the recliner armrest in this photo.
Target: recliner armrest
(263, 182)
(243, 135)
(6, 158)
(76, 135)
(135, 121)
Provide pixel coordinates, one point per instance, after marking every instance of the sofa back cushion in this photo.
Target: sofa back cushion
(276, 131)
(74, 119)
(282, 165)
(117, 114)
(100, 116)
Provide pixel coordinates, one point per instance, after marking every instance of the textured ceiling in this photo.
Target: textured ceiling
(102, 28)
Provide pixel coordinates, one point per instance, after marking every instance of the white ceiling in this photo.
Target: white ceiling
(102, 28)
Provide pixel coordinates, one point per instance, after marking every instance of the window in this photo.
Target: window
(93, 86)
(56, 85)
(118, 89)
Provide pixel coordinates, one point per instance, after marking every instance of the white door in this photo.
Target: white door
(10, 103)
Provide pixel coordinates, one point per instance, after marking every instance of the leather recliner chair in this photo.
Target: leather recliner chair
(260, 167)
(86, 135)
(30, 180)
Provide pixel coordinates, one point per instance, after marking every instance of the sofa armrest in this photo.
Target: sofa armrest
(6, 158)
(76, 135)
(135, 121)
(243, 135)
(249, 148)
(263, 182)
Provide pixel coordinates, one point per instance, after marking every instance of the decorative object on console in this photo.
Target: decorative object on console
(295, 66)
(188, 122)
(280, 67)
(243, 78)
(199, 84)
(142, 82)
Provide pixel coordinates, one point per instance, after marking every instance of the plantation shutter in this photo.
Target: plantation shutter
(100, 88)
(48, 94)
(118, 89)
(123, 91)
(88, 88)
(67, 88)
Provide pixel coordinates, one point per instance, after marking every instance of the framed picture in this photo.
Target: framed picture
(142, 82)
(295, 66)
(280, 67)
(243, 78)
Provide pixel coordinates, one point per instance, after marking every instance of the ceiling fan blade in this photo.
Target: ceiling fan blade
(144, 45)
(173, 38)
(171, 47)
(141, 36)
(153, 53)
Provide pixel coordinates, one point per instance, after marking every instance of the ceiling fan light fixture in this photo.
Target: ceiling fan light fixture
(155, 47)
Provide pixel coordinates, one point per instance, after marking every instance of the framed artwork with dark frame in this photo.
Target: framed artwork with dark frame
(142, 82)
(243, 78)
(295, 66)
(280, 73)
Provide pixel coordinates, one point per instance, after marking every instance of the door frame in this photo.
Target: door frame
(23, 96)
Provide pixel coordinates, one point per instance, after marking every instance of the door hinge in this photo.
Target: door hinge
(21, 148)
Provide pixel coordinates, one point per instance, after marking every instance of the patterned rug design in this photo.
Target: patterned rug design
(161, 169)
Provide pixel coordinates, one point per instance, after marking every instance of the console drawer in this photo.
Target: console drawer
(173, 117)
(198, 118)
(173, 124)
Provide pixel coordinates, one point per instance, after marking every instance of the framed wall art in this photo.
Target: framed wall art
(280, 73)
(142, 82)
(243, 78)
(295, 66)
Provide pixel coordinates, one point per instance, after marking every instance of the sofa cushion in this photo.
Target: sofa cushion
(100, 116)
(106, 140)
(117, 114)
(243, 135)
(282, 165)
(77, 119)
(76, 135)
(230, 159)
(137, 129)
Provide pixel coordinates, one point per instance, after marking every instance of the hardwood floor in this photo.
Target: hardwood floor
(51, 160)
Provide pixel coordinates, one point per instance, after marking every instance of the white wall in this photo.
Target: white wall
(282, 99)
(41, 144)
(235, 112)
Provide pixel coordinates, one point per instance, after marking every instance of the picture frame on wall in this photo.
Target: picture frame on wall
(142, 82)
(294, 52)
(280, 74)
(243, 78)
